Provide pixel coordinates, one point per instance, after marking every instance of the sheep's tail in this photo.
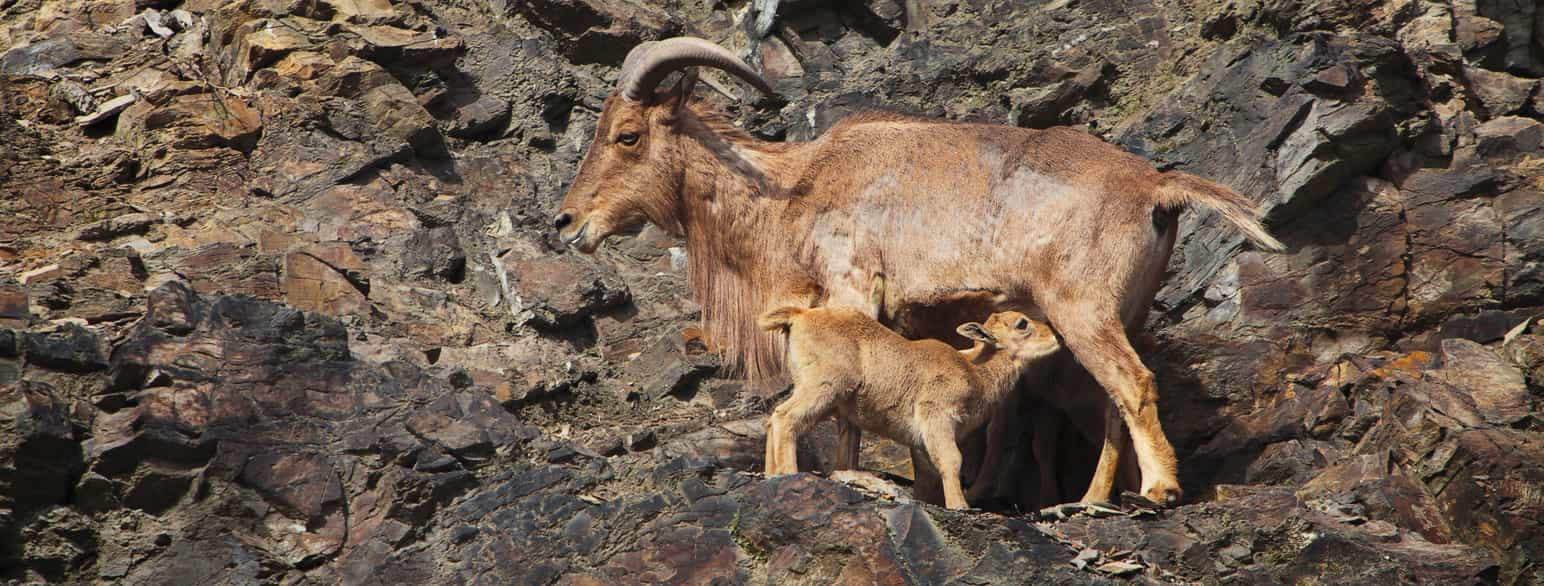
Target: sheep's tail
(778, 319)
(1180, 190)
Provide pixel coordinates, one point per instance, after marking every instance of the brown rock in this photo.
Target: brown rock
(303, 65)
(262, 42)
(118, 226)
(1368, 273)
(557, 290)
(196, 121)
(221, 268)
(1501, 93)
(307, 496)
(407, 44)
(1303, 543)
(106, 110)
(15, 311)
(1509, 135)
(1336, 78)
(349, 212)
(1476, 32)
(1483, 488)
(1495, 384)
(363, 11)
(313, 285)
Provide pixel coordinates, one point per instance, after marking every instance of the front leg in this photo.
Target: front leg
(996, 432)
(1103, 482)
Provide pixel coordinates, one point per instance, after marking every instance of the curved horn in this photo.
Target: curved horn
(631, 62)
(648, 63)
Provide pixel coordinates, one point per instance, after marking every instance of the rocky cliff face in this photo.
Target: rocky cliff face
(277, 301)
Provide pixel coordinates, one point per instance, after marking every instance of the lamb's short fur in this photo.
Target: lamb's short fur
(923, 393)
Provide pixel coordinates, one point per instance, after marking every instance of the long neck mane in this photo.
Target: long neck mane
(740, 249)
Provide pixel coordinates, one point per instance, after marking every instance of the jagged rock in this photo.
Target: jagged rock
(1494, 383)
(363, 11)
(1369, 377)
(557, 290)
(1509, 135)
(68, 347)
(479, 117)
(1521, 32)
(1502, 94)
(193, 121)
(663, 368)
(434, 253)
(99, 287)
(106, 110)
(313, 285)
(15, 309)
(39, 449)
(261, 42)
(397, 44)
(305, 489)
(47, 55)
(118, 226)
(599, 31)
(222, 268)
(58, 542)
(1285, 540)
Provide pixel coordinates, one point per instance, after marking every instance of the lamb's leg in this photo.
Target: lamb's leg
(849, 439)
(808, 405)
(939, 439)
(925, 485)
(1047, 427)
(996, 431)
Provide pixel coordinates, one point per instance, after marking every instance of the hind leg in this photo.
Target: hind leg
(944, 452)
(926, 485)
(1047, 427)
(1103, 483)
(808, 405)
(1096, 336)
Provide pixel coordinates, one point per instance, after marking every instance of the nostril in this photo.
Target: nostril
(563, 220)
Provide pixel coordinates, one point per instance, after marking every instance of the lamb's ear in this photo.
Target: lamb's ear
(975, 332)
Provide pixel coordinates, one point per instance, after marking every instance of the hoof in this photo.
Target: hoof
(1163, 495)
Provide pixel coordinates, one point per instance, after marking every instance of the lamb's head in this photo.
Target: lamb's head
(1022, 338)
(633, 170)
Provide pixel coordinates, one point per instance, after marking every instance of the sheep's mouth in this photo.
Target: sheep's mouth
(578, 234)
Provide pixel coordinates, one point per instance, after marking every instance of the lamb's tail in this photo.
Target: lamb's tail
(1181, 189)
(877, 296)
(778, 319)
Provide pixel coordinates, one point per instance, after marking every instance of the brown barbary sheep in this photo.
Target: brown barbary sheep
(774, 224)
(923, 393)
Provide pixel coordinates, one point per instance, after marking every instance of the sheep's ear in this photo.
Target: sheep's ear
(682, 93)
(975, 332)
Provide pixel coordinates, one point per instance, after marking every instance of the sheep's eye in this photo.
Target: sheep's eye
(628, 138)
(1023, 324)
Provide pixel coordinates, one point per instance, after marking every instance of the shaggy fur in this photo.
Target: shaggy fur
(1048, 221)
(923, 393)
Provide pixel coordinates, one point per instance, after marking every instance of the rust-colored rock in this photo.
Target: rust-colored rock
(313, 285)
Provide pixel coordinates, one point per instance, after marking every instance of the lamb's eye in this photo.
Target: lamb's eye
(628, 138)
(1023, 324)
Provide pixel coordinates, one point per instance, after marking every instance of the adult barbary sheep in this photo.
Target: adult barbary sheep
(923, 393)
(1054, 220)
